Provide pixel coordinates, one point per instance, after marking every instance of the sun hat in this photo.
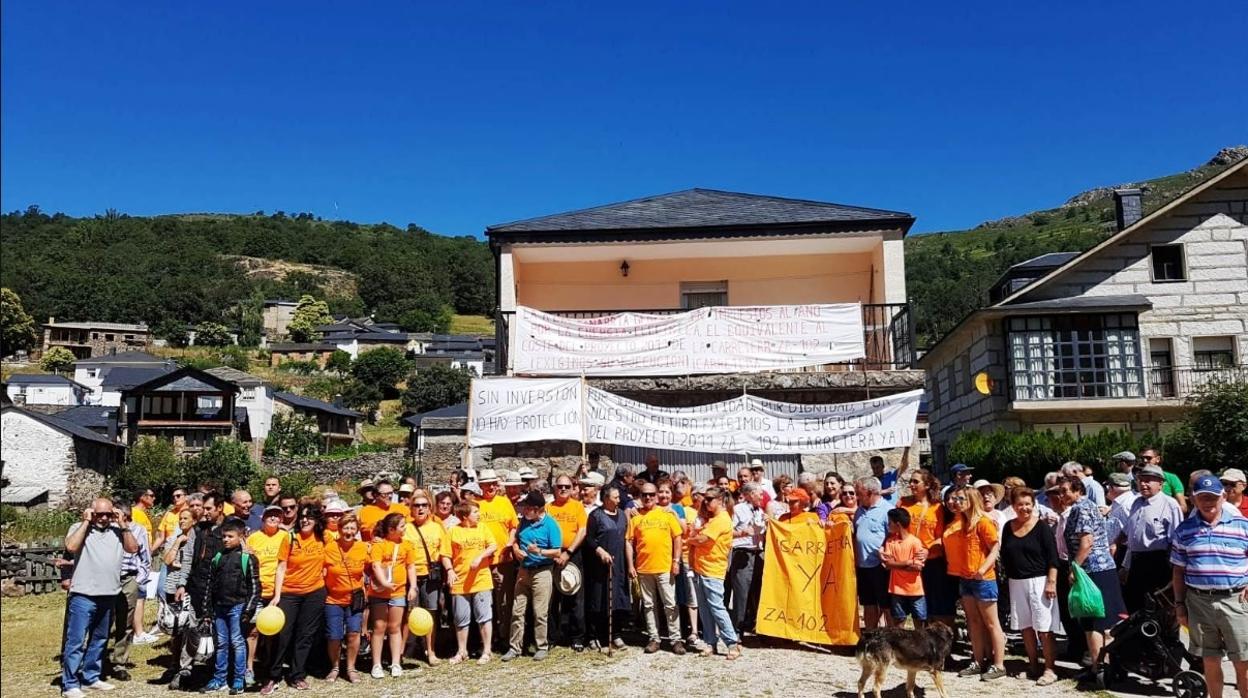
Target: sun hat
(336, 506)
(569, 579)
(406, 488)
(512, 479)
(273, 508)
(487, 475)
(1207, 484)
(593, 479)
(527, 473)
(365, 485)
(472, 488)
(798, 495)
(1152, 470)
(997, 489)
(757, 464)
(1233, 475)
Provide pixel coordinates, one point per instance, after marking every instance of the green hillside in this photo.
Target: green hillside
(948, 274)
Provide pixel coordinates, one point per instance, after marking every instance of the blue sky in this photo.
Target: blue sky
(454, 116)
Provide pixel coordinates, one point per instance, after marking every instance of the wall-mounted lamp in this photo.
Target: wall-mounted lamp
(624, 268)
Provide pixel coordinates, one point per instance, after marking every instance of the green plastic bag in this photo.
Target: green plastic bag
(1085, 598)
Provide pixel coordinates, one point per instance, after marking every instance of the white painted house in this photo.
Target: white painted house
(1113, 338)
(107, 376)
(67, 460)
(257, 398)
(45, 389)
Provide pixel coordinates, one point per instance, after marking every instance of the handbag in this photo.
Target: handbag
(435, 571)
(358, 602)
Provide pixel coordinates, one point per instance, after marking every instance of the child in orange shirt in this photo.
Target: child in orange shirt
(903, 555)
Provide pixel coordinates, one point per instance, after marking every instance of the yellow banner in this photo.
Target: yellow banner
(810, 591)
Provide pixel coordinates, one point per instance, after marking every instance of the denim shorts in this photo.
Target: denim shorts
(904, 606)
(467, 606)
(339, 620)
(978, 589)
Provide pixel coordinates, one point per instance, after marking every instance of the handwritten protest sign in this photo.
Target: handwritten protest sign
(753, 425)
(809, 591)
(516, 410)
(719, 339)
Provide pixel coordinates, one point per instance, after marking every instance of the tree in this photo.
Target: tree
(150, 462)
(363, 397)
(212, 334)
(309, 313)
(225, 462)
(1214, 434)
(17, 329)
(57, 360)
(292, 436)
(437, 386)
(173, 332)
(422, 320)
(381, 368)
(339, 361)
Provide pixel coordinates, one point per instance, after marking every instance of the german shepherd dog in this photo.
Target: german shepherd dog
(912, 650)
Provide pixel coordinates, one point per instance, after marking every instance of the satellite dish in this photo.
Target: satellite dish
(983, 383)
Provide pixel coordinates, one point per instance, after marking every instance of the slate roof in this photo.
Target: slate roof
(124, 377)
(1078, 303)
(22, 495)
(42, 379)
(460, 410)
(702, 208)
(67, 427)
(300, 346)
(313, 404)
(93, 417)
(185, 378)
(1049, 259)
(235, 376)
(114, 326)
(125, 357)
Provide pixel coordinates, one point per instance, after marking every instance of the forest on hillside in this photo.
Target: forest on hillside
(120, 268)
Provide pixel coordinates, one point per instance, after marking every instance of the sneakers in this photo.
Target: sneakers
(378, 672)
(618, 643)
(270, 688)
(972, 670)
(213, 686)
(509, 655)
(540, 655)
(236, 689)
(395, 670)
(101, 686)
(652, 647)
(73, 693)
(992, 674)
(678, 647)
(144, 639)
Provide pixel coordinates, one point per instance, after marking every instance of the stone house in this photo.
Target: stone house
(255, 400)
(188, 406)
(282, 352)
(67, 461)
(1116, 337)
(88, 339)
(697, 248)
(337, 425)
(275, 317)
(437, 440)
(107, 376)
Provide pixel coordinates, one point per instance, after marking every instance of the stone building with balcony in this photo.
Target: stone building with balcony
(86, 340)
(697, 248)
(188, 407)
(1117, 337)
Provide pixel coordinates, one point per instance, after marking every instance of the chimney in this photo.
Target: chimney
(1128, 207)
(51, 320)
(338, 400)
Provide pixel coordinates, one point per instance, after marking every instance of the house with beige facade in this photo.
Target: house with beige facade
(1117, 337)
(691, 249)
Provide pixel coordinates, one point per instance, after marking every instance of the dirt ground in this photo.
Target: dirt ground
(30, 633)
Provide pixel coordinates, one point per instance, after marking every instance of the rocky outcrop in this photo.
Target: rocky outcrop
(1228, 156)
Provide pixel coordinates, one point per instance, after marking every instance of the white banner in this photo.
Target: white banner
(516, 410)
(753, 425)
(720, 339)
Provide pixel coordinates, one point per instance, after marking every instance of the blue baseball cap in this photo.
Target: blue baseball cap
(960, 468)
(1207, 484)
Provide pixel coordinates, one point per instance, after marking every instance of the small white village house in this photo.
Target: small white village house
(1117, 337)
(45, 453)
(44, 389)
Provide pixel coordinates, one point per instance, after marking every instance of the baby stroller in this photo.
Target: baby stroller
(1147, 643)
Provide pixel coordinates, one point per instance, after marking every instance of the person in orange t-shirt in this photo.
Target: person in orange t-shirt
(567, 611)
(903, 555)
(972, 544)
(372, 513)
(393, 563)
(927, 523)
(299, 590)
(466, 553)
(709, 546)
(345, 560)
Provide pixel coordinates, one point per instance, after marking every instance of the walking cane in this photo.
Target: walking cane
(610, 607)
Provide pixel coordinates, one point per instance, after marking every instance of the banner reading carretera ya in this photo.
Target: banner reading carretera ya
(809, 592)
(720, 339)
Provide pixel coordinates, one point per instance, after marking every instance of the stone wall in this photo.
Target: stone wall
(36, 455)
(365, 465)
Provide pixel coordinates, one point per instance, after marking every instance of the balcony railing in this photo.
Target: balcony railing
(888, 337)
(1153, 383)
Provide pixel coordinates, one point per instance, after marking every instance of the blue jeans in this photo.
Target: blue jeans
(88, 620)
(712, 615)
(227, 622)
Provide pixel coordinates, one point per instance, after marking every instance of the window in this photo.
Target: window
(95, 335)
(1168, 263)
(156, 406)
(108, 338)
(208, 402)
(1067, 357)
(703, 294)
(1212, 353)
(249, 394)
(198, 438)
(1161, 367)
(93, 372)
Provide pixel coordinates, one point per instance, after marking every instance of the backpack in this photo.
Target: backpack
(216, 560)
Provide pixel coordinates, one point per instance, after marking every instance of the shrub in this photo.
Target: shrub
(225, 462)
(57, 360)
(150, 462)
(1215, 433)
(212, 334)
(339, 362)
(437, 386)
(381, 368)
(292, 435)
(40, 525)
(303, 368)
(1032, 454)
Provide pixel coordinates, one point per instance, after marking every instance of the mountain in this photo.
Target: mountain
(948, 273)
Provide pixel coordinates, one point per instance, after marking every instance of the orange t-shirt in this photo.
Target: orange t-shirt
(433, 533)
(462, 545)
(927, 523)
(571, 517)
(403, 509)
(394, 557)
(305, 564)
(651, 534)
(903, 582)
(966, 550)
(344, 571)
(268, 550)
(370, 516)
(710, 559)
(498, 517)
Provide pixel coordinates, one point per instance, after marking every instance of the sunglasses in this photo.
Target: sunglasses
(849, 494)
(957, 499)
(563, 487)
(647, 495)
(290, 508)
(178, 495)
(421, 505)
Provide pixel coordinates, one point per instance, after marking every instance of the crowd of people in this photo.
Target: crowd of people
(509, 563)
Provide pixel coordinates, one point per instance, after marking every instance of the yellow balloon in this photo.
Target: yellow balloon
(270, 620)
(420, 622)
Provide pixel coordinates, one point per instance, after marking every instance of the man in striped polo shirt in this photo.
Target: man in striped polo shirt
(1210, 558)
